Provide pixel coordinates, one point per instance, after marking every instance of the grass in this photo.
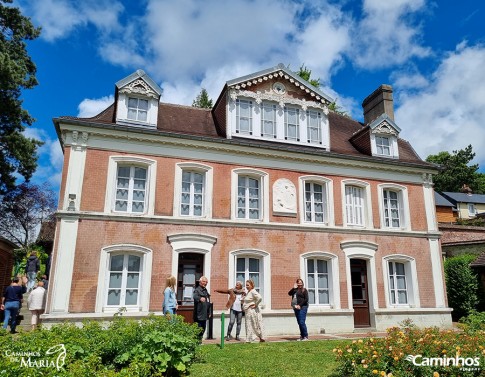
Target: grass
(295, 359)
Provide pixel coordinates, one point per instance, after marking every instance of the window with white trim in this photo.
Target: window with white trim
(131, 193)
(354, 205)
(318, 283)
(398, 290)
(192, 195)
(244, 117)
(393, 208)
(268, 120)
(315, 202)
(124, 280)
(248, 197)
(137, 109)
(314, 127)
(383, 146)
(292, 124)
(249, 268)
(471, 209)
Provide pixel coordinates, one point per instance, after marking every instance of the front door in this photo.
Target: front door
(190, 270)
(360, 293)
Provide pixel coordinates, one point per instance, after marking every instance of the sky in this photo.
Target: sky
(431, 52)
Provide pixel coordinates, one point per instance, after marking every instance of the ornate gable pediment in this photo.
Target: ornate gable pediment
(140, 87)
(384, 126)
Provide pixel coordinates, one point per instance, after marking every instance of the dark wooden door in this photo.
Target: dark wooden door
(190, 269)
(360, 293)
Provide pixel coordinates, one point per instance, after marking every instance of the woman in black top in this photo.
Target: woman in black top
(299, 303)
(11, 300)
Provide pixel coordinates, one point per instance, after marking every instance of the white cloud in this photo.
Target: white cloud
(388, 34)
(59, 18)
(448, 114)
(407, 80)
(91, 107)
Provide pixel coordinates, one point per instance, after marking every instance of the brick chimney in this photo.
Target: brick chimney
(378, 103)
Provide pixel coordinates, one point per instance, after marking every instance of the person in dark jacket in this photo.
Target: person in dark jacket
(201, 304)
(299, 303)
(11, 301)
(31, 269)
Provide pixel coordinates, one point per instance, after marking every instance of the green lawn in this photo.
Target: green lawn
(292, 359)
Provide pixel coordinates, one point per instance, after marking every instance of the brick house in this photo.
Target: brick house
(268, 185)
(6, 262)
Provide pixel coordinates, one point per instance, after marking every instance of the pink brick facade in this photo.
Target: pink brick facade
(88, 235)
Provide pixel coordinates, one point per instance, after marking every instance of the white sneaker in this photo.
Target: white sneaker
(304, 339)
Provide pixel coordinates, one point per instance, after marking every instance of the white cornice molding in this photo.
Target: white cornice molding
(215, 147)
(282, 99)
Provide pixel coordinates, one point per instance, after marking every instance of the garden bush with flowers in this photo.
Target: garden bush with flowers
(409, 351)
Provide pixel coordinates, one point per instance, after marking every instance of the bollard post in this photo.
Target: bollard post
(222, 329)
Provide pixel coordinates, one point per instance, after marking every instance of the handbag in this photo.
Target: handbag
(294, 301)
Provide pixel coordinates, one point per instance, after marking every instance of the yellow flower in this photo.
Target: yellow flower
(334, 350)
(444, 351)
(360, 351)
(362, 361)
(383, 373)
(389, 375)
(354, 341)
(436, 374)
(360, 341)
(349, 350)
(396, 358)
(375, 371)
(365, 366)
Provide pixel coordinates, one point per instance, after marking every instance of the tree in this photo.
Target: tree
(23, 210)
(202, 100)
(456, 171)
(306, 74)
(18, 154)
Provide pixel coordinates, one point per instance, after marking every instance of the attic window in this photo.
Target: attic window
(383, 145)
(137, 109)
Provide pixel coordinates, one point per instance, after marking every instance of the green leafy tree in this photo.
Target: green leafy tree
(457, 171)
(306, 74)
(461, 285)
(202, 100)
(18, 154)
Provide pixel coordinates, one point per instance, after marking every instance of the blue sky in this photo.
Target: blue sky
(431, 52)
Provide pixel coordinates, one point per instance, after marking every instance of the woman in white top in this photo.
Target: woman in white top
(169, 299)
(252, 312)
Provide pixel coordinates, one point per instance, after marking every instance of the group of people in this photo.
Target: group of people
(12, 297)
(241, 302)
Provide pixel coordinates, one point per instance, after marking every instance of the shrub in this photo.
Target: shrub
(474, 322)
(153, 346)
(461, 285)
(392, 355)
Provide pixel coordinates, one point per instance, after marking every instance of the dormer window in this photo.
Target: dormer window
(244, 119)
(383, 146)
(138, 97)
(292, 124)
(137, 109)
(314, 123)
(383, 135)
(268, 120)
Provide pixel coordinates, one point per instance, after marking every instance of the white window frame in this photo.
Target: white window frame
(328, 208)
(333, 277)
(411, 275)
(318, 114)
(367, 203)
(265, 271)
(146, 262)
(393, 146)
(250, 117)
(403, 206)
(111, 183)
(208, 187)
(137, 109)
(297, 125)
(274, 107)
(263, 179)
(472, 211)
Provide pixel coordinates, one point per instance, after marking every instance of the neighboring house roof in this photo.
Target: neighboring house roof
(9, 243)
(479, 262)
(459, 197)
(441, 201)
